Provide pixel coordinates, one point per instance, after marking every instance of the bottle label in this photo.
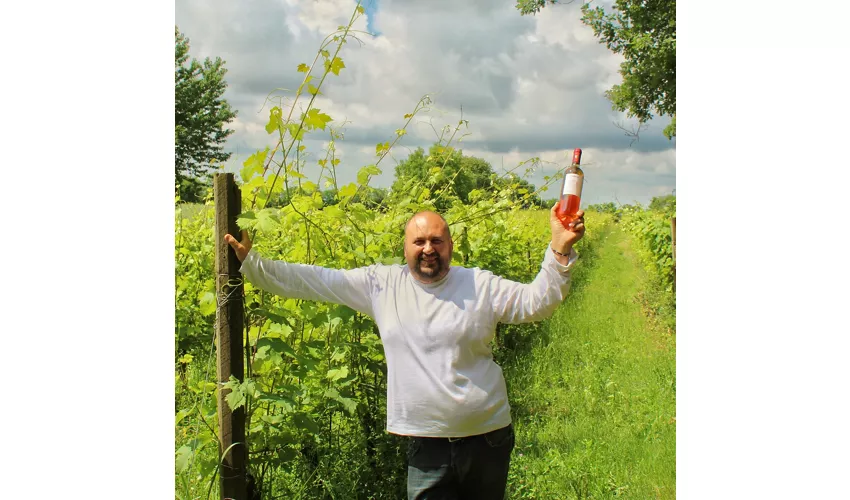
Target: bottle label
(572, 184)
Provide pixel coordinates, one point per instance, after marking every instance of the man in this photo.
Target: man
(436, 323)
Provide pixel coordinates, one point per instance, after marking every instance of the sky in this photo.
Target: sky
(529, 86)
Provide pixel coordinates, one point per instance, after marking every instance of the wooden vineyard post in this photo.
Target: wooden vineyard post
(230, 323)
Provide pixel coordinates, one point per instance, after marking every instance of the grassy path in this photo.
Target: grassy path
(593, 389)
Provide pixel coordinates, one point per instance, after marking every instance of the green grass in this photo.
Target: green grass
(593, 393)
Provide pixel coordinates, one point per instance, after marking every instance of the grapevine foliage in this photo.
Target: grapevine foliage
(652, 228)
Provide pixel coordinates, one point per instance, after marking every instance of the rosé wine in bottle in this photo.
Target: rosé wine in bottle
(571, 191)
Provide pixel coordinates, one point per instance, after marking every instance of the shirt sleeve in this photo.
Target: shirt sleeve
(349, 287)
(515, 302)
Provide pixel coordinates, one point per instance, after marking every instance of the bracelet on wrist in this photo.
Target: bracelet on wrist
(559, 253)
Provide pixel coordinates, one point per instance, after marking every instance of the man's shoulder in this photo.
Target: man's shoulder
(472, 273)
(384, 269)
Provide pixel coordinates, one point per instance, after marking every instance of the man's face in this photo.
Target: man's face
(428, 247)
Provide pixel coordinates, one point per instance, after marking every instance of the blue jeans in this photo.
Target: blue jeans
(460, 468)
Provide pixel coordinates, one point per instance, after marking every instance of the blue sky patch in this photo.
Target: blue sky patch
(371, 7)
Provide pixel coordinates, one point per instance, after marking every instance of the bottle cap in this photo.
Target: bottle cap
(577, 156)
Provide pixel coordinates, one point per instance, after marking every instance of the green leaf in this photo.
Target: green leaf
(339, 354)
(302, 203)
(343, 312)
(277, 345)
(277, 318)
(325, 53)
(360, 213)
(253, 165)
(373, 169)
(303, 68)
(284, 402)
(337, 65)
(235, 399)
(313, 119)
(181, 415)
(275, 119)
(347, 191)
(304, 421)
(286, 454)
(184, 453)
(365, 172)
(361, 10)
(334, 66)
(255, 182)
(313, 90)
(362, 177)
(238, 391)
(267, 220)
(207, 304)
(337, 373)
(272, 419)
(334, 211)
(261, 355)
(306, 361)
(295, 131)
(349, 404)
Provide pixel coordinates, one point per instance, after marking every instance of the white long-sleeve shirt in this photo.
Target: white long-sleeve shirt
(441, 377)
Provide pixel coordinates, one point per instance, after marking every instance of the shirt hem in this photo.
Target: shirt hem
(447, 434)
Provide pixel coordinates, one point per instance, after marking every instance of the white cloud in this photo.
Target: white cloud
(528, 85)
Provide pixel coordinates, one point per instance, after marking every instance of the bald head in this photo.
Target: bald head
(426, 217)
(428, 246)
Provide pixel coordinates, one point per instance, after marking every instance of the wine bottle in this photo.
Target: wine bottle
(571, 191)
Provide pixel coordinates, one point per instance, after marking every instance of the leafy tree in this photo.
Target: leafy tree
(200, 114)
(644, 31)
(450, 175)
(518, 189)
(665, 203)
(438, 171)
(445, 171)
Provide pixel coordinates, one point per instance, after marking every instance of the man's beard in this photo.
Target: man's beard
(436, 267)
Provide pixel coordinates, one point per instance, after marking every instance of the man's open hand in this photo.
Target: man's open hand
(240, 247)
